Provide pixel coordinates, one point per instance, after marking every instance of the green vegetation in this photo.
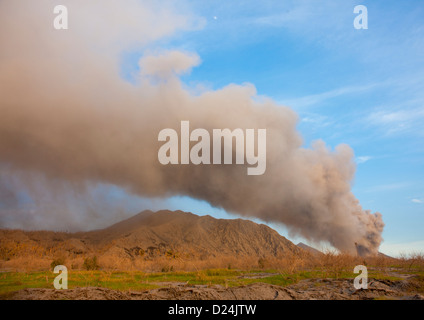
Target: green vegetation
(139, 281)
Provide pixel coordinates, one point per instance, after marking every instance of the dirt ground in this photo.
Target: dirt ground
(311, 289)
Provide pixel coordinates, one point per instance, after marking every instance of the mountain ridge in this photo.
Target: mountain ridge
(165, 233)
(200, 235)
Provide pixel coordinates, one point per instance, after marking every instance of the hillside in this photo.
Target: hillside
(149, 235)
(201, 236)
(309, 248)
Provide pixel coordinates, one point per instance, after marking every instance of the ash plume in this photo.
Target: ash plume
(69, 119)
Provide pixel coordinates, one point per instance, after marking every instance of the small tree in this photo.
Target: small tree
(91, 264)
(261, 263)
(57, 262)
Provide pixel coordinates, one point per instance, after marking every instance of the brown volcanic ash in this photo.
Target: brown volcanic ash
(70, 120)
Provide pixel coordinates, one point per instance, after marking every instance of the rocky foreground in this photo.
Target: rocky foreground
(311, 289)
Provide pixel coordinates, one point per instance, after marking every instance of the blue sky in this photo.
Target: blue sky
(360, 87)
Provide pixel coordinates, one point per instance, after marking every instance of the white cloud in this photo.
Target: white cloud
(315, 99)
(417, 201)
(363, 159)
(388, 187)
(407, 119)
(314, 119)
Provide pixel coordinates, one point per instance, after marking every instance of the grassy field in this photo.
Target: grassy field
(138, 281)
(281, 272)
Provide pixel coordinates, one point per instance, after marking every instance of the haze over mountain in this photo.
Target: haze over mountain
(189, 233)
(152, 234)
(309, 248)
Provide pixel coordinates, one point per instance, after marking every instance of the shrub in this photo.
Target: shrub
(167, 269)
(261, 263)
(91, 264)
(57, 262)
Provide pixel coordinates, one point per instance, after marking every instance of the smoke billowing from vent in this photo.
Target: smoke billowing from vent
(70, 121)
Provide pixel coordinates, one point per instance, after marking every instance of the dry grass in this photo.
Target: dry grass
(27, 255)
(329, 262)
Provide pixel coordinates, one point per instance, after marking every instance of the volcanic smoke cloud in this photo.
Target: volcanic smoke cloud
(69, 121)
